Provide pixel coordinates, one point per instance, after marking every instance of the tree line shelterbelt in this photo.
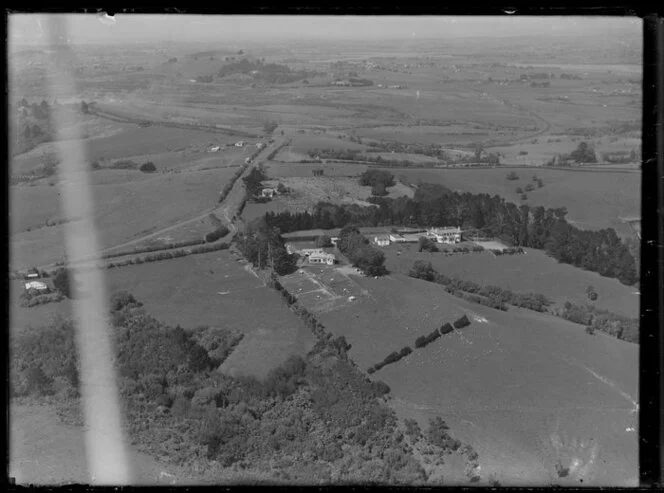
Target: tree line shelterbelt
(600, 251)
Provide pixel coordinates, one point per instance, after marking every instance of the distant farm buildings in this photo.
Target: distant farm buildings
(239, 143)
(445, 235)
(269, 192)
(260, 145)
(214, 149)
(32, 274)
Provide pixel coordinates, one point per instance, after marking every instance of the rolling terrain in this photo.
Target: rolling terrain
(526, 389)
(540, 400)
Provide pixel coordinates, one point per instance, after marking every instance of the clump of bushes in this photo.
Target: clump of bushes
(424, 341)
(391, 358)
(591, 293)
(218, 233)
(461, 322)
(156, 248)
(437, 434)
(148, 167)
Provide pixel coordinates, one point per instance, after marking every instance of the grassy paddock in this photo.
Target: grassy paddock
(534, 272)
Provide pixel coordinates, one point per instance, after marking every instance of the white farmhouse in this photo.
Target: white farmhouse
(382, 240)
(445, 235)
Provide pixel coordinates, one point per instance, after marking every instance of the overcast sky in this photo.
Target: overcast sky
(130, 28)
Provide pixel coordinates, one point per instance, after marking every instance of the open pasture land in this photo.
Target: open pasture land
(534, 272)
(215, 289)
(392, 315)
(128, 141)
(594, 199)
(302, 144)
(122, 211)
(487, 384)
(486, 381)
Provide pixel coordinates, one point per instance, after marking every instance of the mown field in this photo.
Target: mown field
(533, 272)
(594, 200)
(122, 210)
(214, 289)
(526, 389)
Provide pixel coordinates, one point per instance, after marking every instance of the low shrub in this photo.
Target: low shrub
(446, 328)
(148, 167)
(462, 322)
(218, 233)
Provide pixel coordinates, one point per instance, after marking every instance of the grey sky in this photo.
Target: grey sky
(129, 28)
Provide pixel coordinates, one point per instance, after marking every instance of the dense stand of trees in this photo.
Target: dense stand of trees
(253, 181)
(360, 252)
(264, 247)
(599, 251)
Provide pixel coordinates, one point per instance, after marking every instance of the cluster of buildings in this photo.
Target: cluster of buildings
(440, 235)
(32, 283)
(313, 255)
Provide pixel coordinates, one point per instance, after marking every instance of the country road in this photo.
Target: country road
(231, 202)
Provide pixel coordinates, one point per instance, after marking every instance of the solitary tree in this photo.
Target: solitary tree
(148, 167)
(62, 282)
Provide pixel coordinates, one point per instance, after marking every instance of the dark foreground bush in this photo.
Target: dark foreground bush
(462, 322)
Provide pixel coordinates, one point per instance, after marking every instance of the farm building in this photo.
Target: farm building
(260, 145)
(32, 274)
(239, 143)
(268, 192)
(334, 240)
(37, 285)
(214, 149)
(382, 240)
(445, 235)
(322, 258)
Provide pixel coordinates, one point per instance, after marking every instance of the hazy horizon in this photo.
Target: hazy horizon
(29, 29)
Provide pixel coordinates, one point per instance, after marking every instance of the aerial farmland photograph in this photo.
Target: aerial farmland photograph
(324, 250)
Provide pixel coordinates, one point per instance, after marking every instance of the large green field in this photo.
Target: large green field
(533, 272)
(122, 210)
(594, 199)
(526, 389)
(127, 141)
(208, 289)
